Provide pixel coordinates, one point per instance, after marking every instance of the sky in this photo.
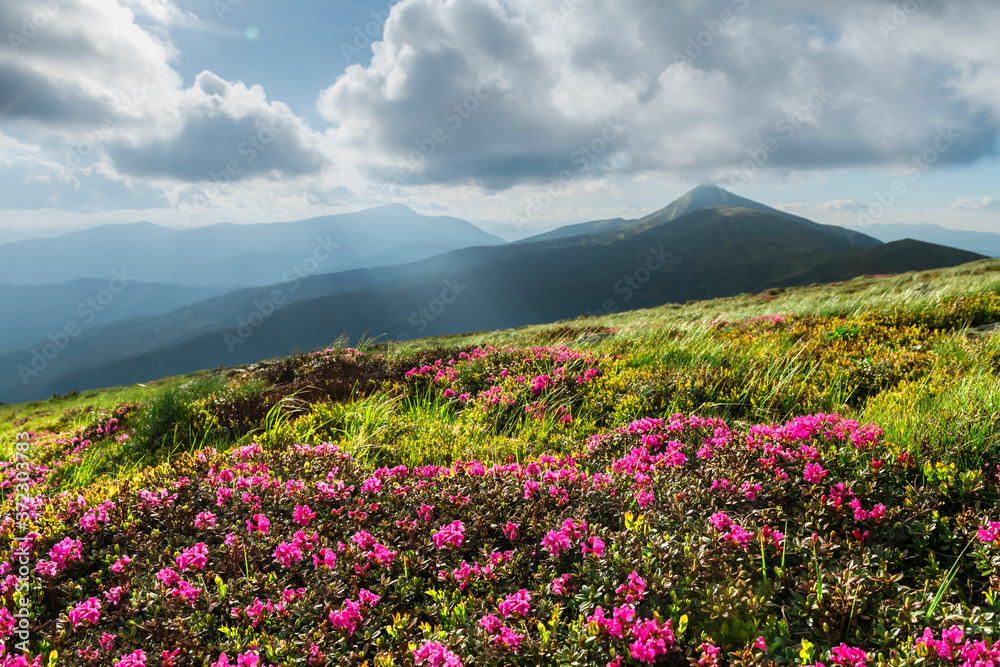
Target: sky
(523, 112)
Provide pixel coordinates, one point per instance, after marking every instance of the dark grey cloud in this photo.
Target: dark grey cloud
(259, 145)
(31, 96)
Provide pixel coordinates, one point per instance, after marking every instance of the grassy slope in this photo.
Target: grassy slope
(887, 350)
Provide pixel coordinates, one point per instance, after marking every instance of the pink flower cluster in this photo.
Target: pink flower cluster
(450, 535)
(990, 532)
(500, 634)
(558, 541)
(634, 589)
(518, 603)
(60, 555)
(347, 619)
(196, 557)
(650, 639)
(954, 646)
(847, 656)
(86, 612)
(435, 654)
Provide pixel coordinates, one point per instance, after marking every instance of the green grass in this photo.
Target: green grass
(944, 403)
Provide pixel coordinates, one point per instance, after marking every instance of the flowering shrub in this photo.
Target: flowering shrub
(543, 505)
(588, 576)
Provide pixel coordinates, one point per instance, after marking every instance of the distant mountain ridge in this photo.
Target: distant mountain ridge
(31, 312)
(985, 243)
(239, 255)
(700, 197)
(709, 252)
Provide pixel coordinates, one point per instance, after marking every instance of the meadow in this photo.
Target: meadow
(805, 476)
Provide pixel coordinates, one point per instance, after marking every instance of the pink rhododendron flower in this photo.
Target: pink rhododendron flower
(168, 576)
(204, 520)
(556, 542)
(846, 656)
(134, 659)
(257, 609)
(510, 530)
(121, 564)
(114, 595)
(709, 655)
(286, 554)
(86, 612)
(347, 619)
(196, 557)
(326, 558)
(814, 473)
(450, 535)
(559, 584)
(990, 532)
(303, 515)
(518, 603)
(435, 654)
(259, 523)
(596, 547)
(634, 589)
(186, 592)
(491, 623)
(720, 520)
(368, 598)
(7, 623)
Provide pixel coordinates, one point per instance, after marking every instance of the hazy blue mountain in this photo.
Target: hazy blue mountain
(985, 243)
(700, 197)
(238, 255)
(31, 313)
(511, 232)
(14, 234)
(715, 251)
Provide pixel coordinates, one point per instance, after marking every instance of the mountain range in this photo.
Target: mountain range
(695, 248)
(229, 255)
(985, 243)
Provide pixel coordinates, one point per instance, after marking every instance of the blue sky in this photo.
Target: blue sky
(527, 112)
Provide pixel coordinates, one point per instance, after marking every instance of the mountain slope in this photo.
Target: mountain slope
(239, 255)
(710, 252)
(986, 243)
(700, 197)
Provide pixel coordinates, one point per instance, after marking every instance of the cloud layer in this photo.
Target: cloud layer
(493, 96)
(702, 87)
